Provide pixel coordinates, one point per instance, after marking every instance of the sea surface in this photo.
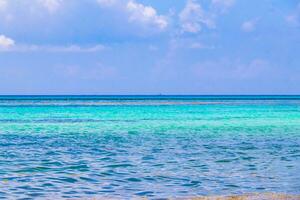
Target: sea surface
(123, 147)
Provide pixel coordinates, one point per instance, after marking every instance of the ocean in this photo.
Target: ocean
(124, 147)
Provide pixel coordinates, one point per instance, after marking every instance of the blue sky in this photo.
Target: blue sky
(149, 47)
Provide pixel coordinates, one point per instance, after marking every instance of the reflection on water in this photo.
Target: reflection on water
(119, 151)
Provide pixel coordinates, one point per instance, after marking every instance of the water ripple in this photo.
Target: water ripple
(148, 151)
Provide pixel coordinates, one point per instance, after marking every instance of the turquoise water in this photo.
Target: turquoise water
(148, 146)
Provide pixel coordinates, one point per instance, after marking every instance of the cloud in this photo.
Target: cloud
(107, 2)
(256, 68)
(249, 26)
(145, 15)
(193, 17)
(3, 4)
(137, 13)
(189, 43)
(294, 18)
(199, 45)
(53, 49)
(73, 48)
(233, 69)
(153, 48)
(6, 42)
(222, 5)
(94, 72)
(51, 5)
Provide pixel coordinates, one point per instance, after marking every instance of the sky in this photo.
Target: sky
(149, 47)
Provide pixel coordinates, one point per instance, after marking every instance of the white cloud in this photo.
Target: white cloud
(199, 45)
(249, 26)
(153, 48)
(51, 5)
(3, 4)
(6, 42)
(145, 14)
(255, 68)
(222, 5)
(294, 18)
(94, 72)
(107, 2)
(54, 49)
(233, 69)
(73, 48)
(137, 13)
(193, 17)
(189, 43)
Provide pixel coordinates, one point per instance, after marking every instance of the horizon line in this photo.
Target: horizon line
(1, 95)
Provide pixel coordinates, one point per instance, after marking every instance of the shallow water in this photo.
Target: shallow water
(148, 146)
